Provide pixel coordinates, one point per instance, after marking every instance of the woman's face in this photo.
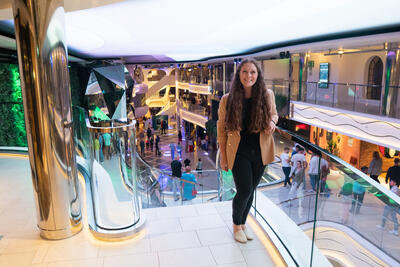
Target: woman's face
(248, 75)
(298, 164)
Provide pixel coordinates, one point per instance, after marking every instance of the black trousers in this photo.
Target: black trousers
(247, 171)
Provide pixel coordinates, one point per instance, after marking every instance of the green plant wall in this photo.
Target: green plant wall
(12, 123)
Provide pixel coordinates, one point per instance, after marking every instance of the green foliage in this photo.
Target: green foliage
(333, 148)
(12, 123)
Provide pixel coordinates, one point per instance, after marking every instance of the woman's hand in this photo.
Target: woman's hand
(271, 128)
(224, 163)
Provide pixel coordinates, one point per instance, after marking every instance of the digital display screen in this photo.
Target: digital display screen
(323, 75)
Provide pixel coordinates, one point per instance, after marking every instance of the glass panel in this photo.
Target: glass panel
(156, 186)
(113, 176)
(311, 92)
(365, 105)
(345, 200)
(325, 96)
(397, 112)
(345, 96)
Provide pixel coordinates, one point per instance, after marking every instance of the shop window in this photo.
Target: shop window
(375, 72)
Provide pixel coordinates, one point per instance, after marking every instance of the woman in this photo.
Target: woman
(247, 119)
(375, 166)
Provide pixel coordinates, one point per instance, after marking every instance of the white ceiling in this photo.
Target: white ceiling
(185, 30)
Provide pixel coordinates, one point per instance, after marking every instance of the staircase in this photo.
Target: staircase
(165, 81)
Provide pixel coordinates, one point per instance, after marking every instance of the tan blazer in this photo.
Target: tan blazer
(231, 139)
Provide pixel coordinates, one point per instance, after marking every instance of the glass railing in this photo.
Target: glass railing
(195, 108)
(344, 199)
(159, 188)
(362, 98)
(105, 159)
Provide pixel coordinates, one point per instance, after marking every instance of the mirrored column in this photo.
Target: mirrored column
(43, 65)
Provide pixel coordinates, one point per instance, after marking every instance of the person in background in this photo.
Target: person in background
(172, 147)
(345, 193)
(299, 156)
(285, 160)
(186, 162)
(157, 145)
(179, 150)
(358, 194)
(188, 184)
(180, 136)
(142, 146)
(375, 166)
(97, 147)
(392, 209)
(313, 170)
(324, 175)
(101, 143)
(393, 172)
(107, 145)
(176, 167)
(203, 144)
(199, 167)
(297, 179)
(151, 142)
(149, 133)
(295, 149)
(162, 127)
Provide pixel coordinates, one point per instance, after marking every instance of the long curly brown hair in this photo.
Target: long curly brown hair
(260, 116)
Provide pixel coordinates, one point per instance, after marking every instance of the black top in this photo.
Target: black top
(393, 173)
(176, 167)
(249, 142)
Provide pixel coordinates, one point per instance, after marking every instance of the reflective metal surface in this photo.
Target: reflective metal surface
(111, 166)
(392, 80)
(40, 35)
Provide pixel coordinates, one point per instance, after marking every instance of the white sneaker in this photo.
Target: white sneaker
(240, 236)
(379, 226)
(394, 232)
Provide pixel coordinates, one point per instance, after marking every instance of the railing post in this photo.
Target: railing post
(355, 97)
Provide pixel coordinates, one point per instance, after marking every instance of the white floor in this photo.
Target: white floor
(190, 235)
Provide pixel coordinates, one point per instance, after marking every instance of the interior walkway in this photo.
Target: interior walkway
(190, 235)
(163, 162)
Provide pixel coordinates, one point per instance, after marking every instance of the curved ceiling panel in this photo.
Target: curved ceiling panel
(181, 30)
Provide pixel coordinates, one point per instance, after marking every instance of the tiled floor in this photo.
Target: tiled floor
(190, 235)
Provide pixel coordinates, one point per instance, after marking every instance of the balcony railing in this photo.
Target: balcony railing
(352, 97)
(195, 108)
(334, 202)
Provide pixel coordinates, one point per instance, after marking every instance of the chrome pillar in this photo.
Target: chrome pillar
(392, 79)
(42, 56)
